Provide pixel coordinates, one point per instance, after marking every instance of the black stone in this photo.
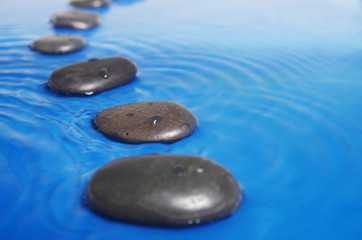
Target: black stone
(164, 190)
(93, 76)
(90, 3)
(75, 19)
(58, 44)
(157, 121)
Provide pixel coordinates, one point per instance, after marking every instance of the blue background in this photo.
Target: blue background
(275, 87)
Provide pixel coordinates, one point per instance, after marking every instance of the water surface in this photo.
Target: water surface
(275, 86)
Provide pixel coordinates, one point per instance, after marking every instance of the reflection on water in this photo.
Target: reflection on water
(275, 87)
(126, 2)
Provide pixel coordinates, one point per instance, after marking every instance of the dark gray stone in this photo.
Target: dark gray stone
(157, 121)
(58, 44)
(164, 190)
(90, 3)
(93, 76)
(75, 19)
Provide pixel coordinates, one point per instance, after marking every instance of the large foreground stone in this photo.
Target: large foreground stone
(164, 190)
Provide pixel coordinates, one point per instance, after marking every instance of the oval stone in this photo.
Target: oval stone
(58, 44)
(75, 19)
(90, 3)
(164, 190)
(93, 76)
(142, 122)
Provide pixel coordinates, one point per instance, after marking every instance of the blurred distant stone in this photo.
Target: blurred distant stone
(58, 44)
(90, 3)
(75, 19)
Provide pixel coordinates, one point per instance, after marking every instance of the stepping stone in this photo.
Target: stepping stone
(90, 3)
(75, 19)
(93, 76)
(164, 190)
(58, 44)
(142, 122)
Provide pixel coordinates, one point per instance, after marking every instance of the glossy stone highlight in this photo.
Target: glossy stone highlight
(90, 3)
(93, 76)
(75, 19)
(58, 44)
(164, 190)
(154, 121)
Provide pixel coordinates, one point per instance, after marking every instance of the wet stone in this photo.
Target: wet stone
(75, 19)
(142, 122)
(58, 44)
(164, 190)
(90, 3)
(93, 76)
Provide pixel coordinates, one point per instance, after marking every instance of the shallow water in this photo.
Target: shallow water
(275, 86)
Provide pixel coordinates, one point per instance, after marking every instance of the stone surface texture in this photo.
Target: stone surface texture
(58, 44)
(93, 76)
(142, 122)
(90, 3)
(164, 190)
(75, 19)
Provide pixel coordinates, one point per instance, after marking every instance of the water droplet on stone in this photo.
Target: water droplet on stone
(88, 93)
(185, 127)
(154, 120)
(149, 124)
(190, 221)
(104, 72)
(71, 80)
(197, 220)
(200, 170)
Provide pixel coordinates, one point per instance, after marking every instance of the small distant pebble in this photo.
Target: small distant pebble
(164, 190)
(90, 3)
(75, 19)
(58, 44)
(93, 76)
(153, 121)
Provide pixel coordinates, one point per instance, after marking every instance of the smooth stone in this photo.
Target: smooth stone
(90, 3)
(142, 122)
(93, 76)
(75, 19)
(164, 190)
(58, 44)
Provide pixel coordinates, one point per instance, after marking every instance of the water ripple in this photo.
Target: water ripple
(280, 108)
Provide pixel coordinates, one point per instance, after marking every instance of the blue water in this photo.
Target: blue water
(275, 86)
